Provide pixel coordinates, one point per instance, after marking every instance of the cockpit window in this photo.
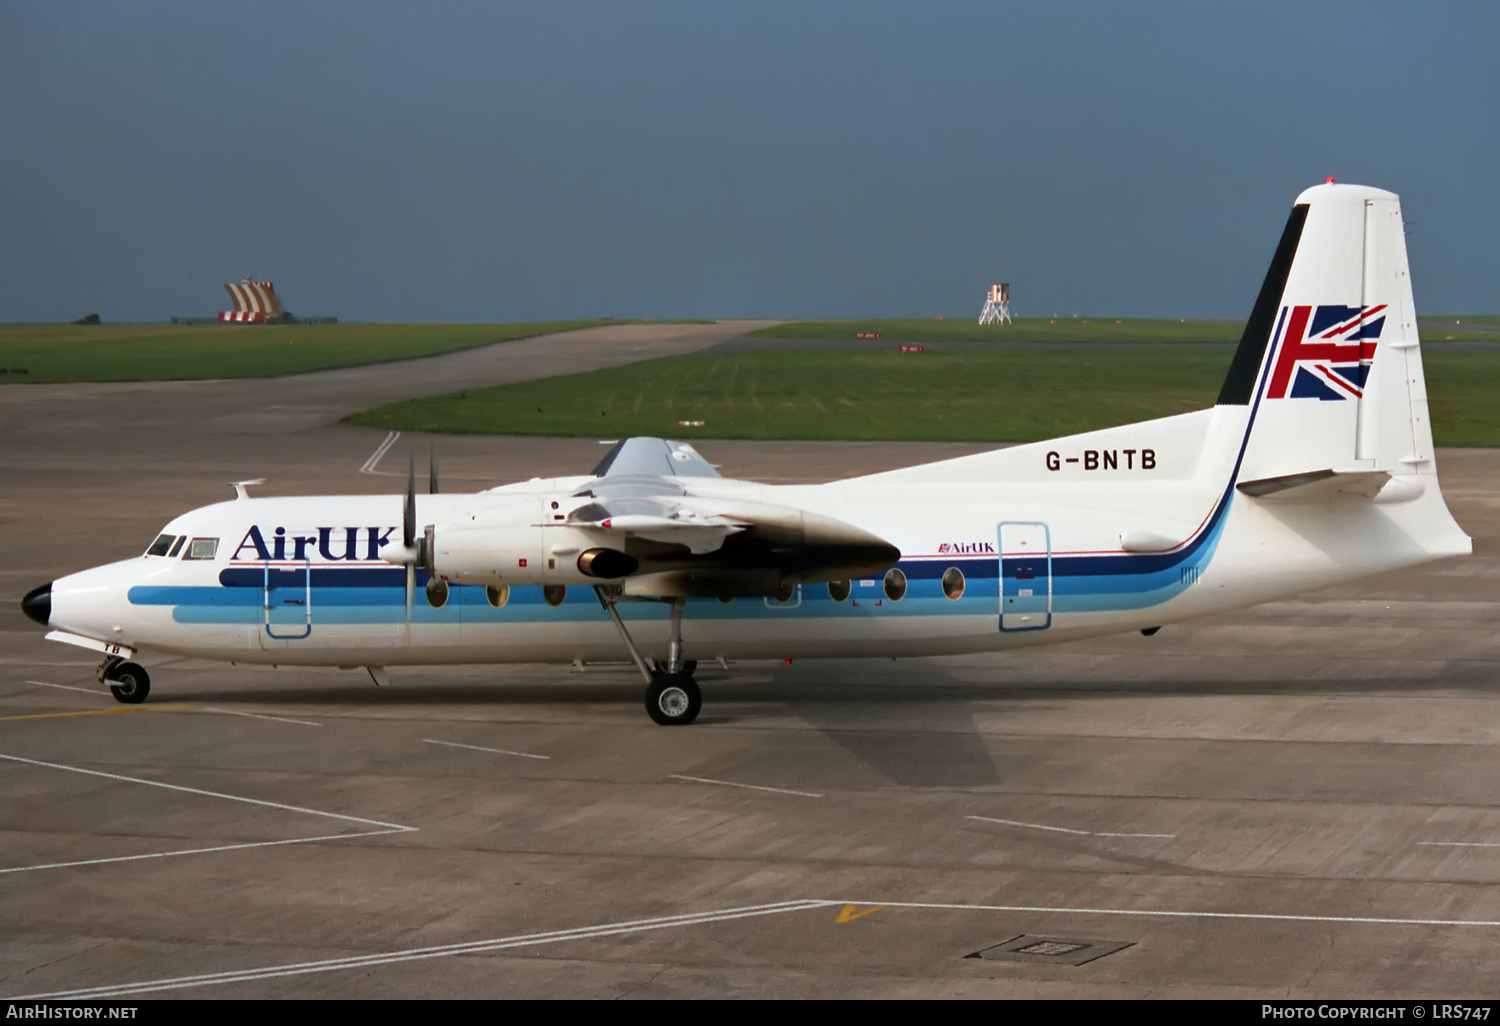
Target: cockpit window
(161, 545)
(177, 548)
(202, 548)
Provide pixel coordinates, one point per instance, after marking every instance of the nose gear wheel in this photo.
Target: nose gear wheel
(129, 683)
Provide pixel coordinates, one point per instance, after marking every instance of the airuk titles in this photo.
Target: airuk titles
(1105, 459)
(966, 548)
(333, 544)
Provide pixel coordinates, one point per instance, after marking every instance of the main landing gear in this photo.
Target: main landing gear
(128, 682)
(673, 698)
(672, 695)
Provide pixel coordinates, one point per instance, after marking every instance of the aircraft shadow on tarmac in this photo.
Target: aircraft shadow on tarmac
(922, 735)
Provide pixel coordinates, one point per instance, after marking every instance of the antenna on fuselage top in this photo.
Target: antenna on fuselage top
(240, 486)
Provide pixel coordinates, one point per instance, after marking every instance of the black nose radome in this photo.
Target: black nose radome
(38, 604)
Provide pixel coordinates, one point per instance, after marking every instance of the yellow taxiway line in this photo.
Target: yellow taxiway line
(97, 712)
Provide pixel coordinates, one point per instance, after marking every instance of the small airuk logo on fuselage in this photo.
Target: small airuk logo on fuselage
(1325, 352)
(966, 548)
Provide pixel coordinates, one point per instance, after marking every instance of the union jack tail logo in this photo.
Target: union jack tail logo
(1326, 351)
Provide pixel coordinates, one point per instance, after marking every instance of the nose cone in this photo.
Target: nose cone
(37, 604)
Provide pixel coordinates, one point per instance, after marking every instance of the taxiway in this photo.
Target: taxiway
(1297, 800)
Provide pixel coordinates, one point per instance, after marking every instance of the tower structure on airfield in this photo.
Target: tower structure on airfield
(996, 305)
(255, 302)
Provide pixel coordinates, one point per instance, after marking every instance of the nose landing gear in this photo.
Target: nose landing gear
(128, 682)
(672, 695)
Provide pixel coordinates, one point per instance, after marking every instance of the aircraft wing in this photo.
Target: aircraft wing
(657, 457)
(646, 522)
(677, 524)
(644, 500)
(718, 545)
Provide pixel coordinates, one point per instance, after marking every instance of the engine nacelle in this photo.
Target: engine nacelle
(524, 542)
(490, 555)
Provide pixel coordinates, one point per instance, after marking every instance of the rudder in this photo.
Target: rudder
(1330, 362)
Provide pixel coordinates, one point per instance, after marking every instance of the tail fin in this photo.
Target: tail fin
(1329, 362)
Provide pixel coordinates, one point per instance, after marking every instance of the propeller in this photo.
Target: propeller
(417, 551)
(422, 553)
(409, 511)
(432, 474)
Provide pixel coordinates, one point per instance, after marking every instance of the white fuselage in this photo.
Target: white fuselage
(1046, 555)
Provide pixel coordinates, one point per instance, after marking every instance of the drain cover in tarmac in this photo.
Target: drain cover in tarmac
(1056, 950)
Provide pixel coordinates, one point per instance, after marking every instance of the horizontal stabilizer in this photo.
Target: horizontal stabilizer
(1317, 485)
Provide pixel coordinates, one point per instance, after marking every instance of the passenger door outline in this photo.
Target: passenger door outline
(1025, 559)
(285, 590)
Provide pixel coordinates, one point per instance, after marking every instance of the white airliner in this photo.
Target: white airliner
(1314, 467)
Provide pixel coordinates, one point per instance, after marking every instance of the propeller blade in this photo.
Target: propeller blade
(409, 532)
(432, 475)
(409, 511)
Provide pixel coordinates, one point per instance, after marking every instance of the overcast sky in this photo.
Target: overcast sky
(491, 161)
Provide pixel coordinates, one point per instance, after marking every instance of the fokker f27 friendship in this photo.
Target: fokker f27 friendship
(1315, 466)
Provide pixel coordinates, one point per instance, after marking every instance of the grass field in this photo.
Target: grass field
(953, 395)
(158, 352)
(1459, 329)
(1030, 329)
(1089, 329)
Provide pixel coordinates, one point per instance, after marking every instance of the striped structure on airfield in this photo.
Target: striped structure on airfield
(254, 302)
(996, 305)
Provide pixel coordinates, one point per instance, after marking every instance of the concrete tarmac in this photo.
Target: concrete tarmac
(1295, 801)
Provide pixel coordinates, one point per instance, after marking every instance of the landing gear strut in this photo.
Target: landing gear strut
(128, 682)
(672, 696)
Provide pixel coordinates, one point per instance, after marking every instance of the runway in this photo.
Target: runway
(1299, 800)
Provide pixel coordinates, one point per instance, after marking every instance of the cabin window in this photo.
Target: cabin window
(202, 548)
(838, 590)
(177, 548)
(497, 594)
(554, 593)
(895, 584)
(437, 592)
(953, 583)
(162, 544)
